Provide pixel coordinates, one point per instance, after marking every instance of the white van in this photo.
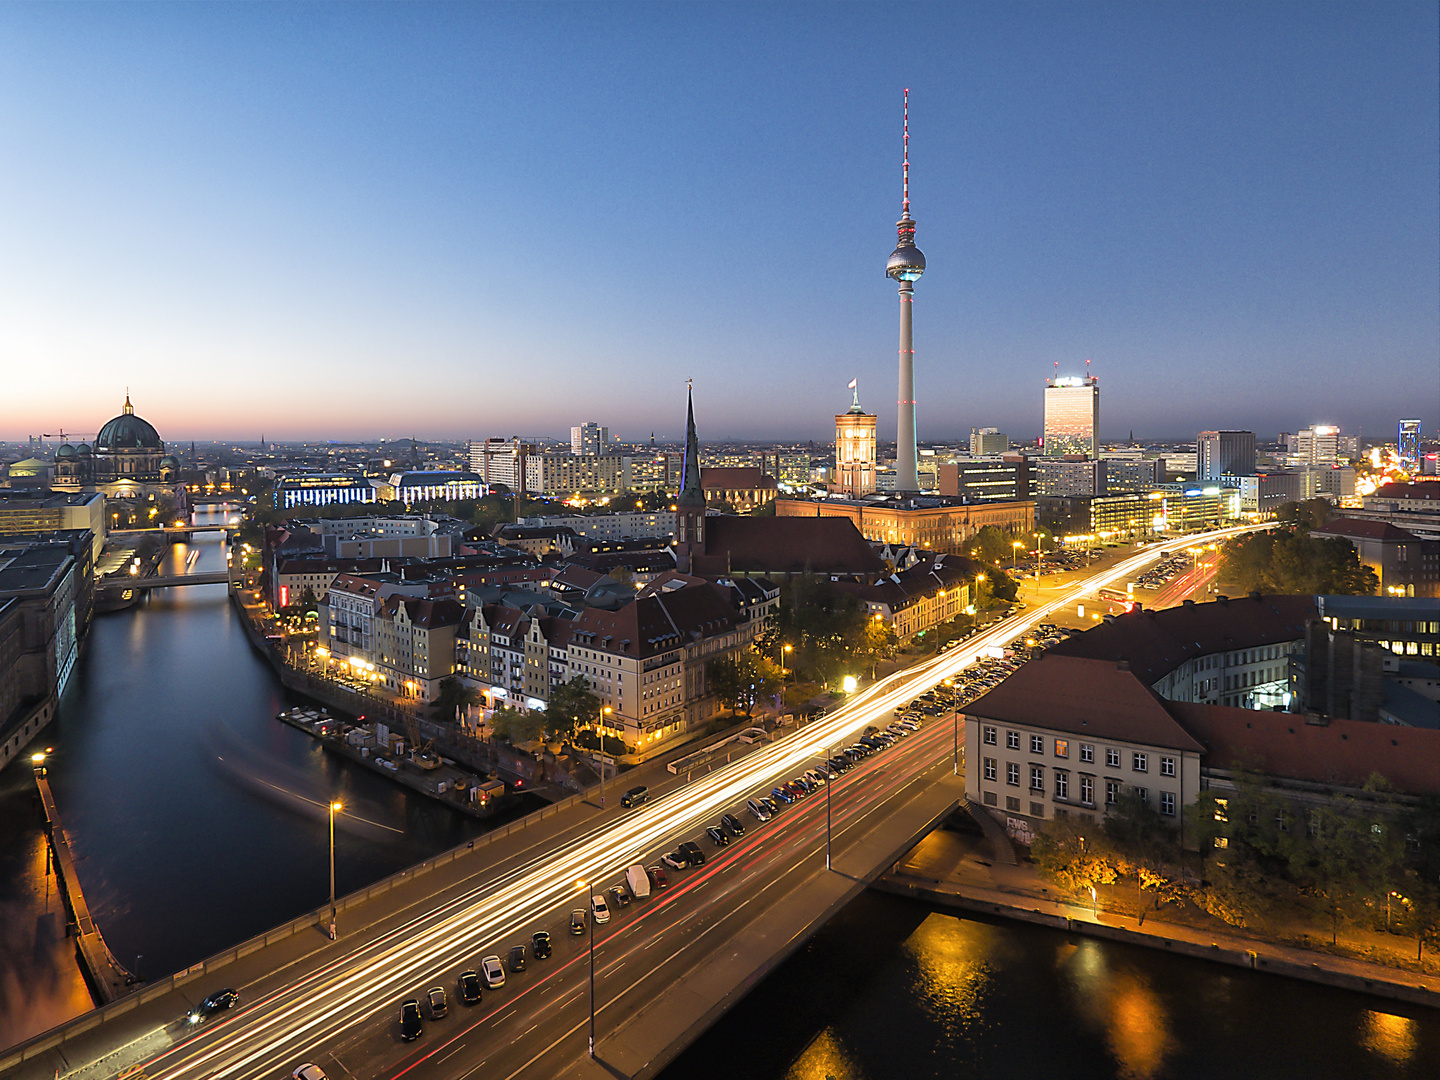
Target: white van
(638, 880)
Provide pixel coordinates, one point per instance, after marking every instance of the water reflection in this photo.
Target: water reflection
(826, 1059)
(1122, 1005)
(1389, 1036)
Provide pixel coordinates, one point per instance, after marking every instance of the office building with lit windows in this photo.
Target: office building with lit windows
(1224, 453)
(1072, 417)
(1409, 442)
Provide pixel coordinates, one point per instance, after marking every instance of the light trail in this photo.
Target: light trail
(279, 1031)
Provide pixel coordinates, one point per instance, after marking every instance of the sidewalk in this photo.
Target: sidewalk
(952, 870)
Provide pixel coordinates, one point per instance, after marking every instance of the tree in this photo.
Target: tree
(1281, 561)
(1073, 859)
(1307, 515)
(740, 680)
(513, 725)
(572, 705)
(454, 695)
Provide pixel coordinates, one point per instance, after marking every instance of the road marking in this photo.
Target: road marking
(527, 1031)
(451, 1054)
(502, 1018)
(655, 940)
(617, 967)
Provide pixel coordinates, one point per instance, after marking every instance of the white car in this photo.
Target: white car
(493, 972)
(308, 1072)
(599, 910)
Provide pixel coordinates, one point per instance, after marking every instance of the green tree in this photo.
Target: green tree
(516, 726)
(1284, 561)
(1073, 858)
(742, 679)
(454, 695)
(572, 705)
(1307, 515)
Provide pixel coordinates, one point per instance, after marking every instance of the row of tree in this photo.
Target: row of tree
(1290, 560)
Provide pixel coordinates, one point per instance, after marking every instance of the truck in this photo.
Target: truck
(638, 880)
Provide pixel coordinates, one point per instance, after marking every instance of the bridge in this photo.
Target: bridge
(639, 988)
(172, 530)
(165, 581)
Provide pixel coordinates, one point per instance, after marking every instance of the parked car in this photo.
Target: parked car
(657, 876)
(675, 860)
(732, 825)
(470, 988)
(411, 1022)
(769, 804)
(217, 1002)
(577, 921)
(599, 910)
(717, 835)
(638, 879)
(308, 1072)
(436, 1001)
(516, 960)
(493, 972)
(540, 945)
(782, 796)
(693, 853)
(618, 897)
(758, 812)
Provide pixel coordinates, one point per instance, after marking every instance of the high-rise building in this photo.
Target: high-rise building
(1409, 442)
(1317, 445)
(988, 440)
(1224, 453)
(589, 440)
(1072, 416)
(855, 447)
(905, 265)
(500, 461)
(1077, 476)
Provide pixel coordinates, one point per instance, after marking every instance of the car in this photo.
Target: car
(308, 1072)
(676, 860)
(540, 945)
(470, 988)
(758, 812)
(636, 796)
(411, 1022)
(780, 795)
(693, 853)
(658, 880)
(439, 1006)
(718, 836)
(732, 825)
(599, 910)
(217, 1002)
(493, 972)
(816, 777)
(618, 897)
(577, 921)
(769, 804)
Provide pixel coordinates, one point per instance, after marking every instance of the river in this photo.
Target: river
(198, 820)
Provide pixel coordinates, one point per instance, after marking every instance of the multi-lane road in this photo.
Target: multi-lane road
(342, 1013)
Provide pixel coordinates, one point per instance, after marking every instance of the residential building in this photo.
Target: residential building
(1403, 625)
(1072, 417)
(656, 524)
(567, 474)
(415, 644)
(589, 440)
(934, 590)
(1224, 453)
(536, 540)
(651, 472)
(501, 461)
(988, 440)
(855, 451)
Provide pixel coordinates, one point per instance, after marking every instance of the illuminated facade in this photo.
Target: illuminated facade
(905, 265)
(1224, 453)
(855, 448)
(931, 524)
(1072, 417)
(1409, 442)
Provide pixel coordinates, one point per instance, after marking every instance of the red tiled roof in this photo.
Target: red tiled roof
(789, 545)
(738, 478)
(1426, 489)
(1098, 698)
(1156, 642)
(1355, 529)
(1345, 752)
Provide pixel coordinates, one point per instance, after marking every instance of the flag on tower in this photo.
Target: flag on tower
(853, 384)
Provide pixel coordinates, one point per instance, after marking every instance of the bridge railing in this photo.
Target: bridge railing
(318, 918)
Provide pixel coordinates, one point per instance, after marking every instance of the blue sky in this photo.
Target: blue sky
(457, 220)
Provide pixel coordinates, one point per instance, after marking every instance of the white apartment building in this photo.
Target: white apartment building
(617, 526)
(566, 474)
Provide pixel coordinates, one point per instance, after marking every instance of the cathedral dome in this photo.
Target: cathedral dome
(83, 449)
(65, 453)
(128, 432)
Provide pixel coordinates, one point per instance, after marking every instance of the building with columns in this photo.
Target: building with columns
(855, 450)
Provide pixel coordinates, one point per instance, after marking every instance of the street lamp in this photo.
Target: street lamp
(334, 806)
(955, 708)
(1015, 547)
(604, 714)
(590, 918)
(829, 783)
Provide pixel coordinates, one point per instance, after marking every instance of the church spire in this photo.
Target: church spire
(691, 494)
(128, 410)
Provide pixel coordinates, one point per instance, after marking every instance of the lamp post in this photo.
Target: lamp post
(955, 708)
(784, 671)
(604, 714)
(829, 783)
(590, 918)
(334, 806)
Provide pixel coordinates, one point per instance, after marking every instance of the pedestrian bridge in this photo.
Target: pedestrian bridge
(166, 581)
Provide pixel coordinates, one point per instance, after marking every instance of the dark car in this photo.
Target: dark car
(657, 877)
(470, 987)
(769, 804)
(717, 835)
(732, 825)
(411, 1021)
(516, 960)
(693, 853)
(619, 898)
(217, 1002)
(577, 921)
(780, 795)
(435, 996)
(540, 945)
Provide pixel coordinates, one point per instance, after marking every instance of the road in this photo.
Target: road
(342, 1013)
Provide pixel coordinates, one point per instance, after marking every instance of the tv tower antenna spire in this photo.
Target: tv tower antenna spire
(905, 265)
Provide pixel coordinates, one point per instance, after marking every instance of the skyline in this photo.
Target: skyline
(315, 212)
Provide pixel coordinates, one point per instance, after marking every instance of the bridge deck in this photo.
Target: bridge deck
(205, 577)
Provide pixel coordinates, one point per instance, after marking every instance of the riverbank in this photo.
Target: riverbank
(953, 871)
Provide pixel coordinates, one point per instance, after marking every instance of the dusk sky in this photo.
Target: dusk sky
(464, 220)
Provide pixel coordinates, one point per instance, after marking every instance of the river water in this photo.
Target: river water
(198, 821)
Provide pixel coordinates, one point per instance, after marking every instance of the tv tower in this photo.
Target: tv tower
(905, 265)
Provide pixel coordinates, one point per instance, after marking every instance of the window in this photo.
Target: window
(1062, 784)
(989, 735)
(990, 799)
(1037, 744)
(1167, 803)
(1012, 740)
(1167, 766)
(1012, 774)
(1062, 747)
(1012, 803)
(1037, 777)
(1087, 752)
(1112, 758)
(1112, 792)
(1087, 790)
(991, 769)
(1037, 809)
(1142, 796)
(1141, 762)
